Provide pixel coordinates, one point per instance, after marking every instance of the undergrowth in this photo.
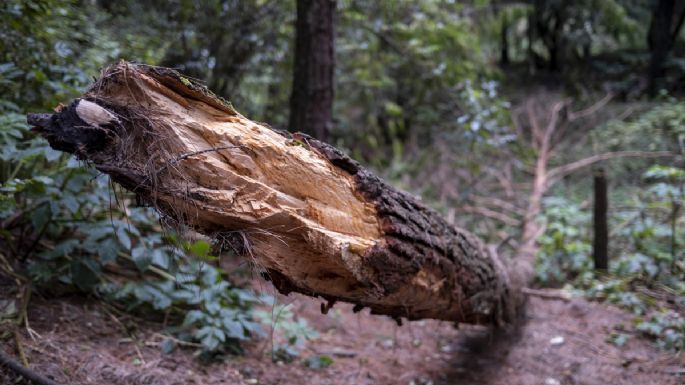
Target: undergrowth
(646, 268)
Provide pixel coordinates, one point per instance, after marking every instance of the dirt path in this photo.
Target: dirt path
(80, 344)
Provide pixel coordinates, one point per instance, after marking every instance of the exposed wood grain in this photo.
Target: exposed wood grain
(315, 220)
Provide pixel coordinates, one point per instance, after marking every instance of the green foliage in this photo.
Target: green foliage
(49, 49)
(318, 362)
(205, 306)
(667, 327)
(564, 247)
(617, 338)
(618, 292)
(647, 233)
(651, 256)
(661, 126)
(399, 74)
(654, 233)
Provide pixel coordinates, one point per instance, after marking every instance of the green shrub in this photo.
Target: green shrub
(647, 256)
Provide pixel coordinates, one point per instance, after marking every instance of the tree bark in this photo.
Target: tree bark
(667, 19)
(504, 41)
(600, 244)
(311, 101)
(313, 219)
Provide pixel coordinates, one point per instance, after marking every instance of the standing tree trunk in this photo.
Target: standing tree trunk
(667, 19)
(311, 101)
(675, 211)
(600, 244)
(314, 220)
(504, 40)
(530, 34)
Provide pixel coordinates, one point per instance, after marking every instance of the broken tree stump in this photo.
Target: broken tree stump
(313, 219)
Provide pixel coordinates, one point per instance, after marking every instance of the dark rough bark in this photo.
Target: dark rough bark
(311, 101)
(407, 261)
(504, 41)
(667, 19)
(417, 237)
(600, 245)
(548, 23)
(530, 39)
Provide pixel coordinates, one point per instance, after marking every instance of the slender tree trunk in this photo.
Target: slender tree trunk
(667, 20)
(311, 101)
(556, 44)
(314, 220)
(531, 228)
(530, 33)
(675, 212)
(659, 42)
(504, 41)
(600, 245)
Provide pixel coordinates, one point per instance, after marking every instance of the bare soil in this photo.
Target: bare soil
(80, 342)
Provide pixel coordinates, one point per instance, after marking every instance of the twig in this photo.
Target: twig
(486, 212)
(592, 109)
(20, 349)
(23, 311)
(559, 172)
(153, 269)
(547, 294)
(499, 203)
(7, 268)
(24, 371)
(137, 349)
(172, 338)
(505, 241)
(133, 338)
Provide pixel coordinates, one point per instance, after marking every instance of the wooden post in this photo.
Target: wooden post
(600, 245)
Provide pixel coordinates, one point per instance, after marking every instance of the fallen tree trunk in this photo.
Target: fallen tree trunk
(315, 220)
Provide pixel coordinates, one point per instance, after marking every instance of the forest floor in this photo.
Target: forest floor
(563, 342)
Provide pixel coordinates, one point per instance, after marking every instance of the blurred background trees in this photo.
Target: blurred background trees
(448, 99)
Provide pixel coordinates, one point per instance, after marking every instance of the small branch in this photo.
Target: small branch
(486, 212)
(536, 131)
(20, 349)
(152, 268)
(592, 109)
(24, 371)
(507, 240)
(499, 203)
(547, 294)
(555, 174)
(7, 268)
(552, 127)
(172, 338)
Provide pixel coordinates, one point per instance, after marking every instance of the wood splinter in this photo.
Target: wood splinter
(325, 307)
